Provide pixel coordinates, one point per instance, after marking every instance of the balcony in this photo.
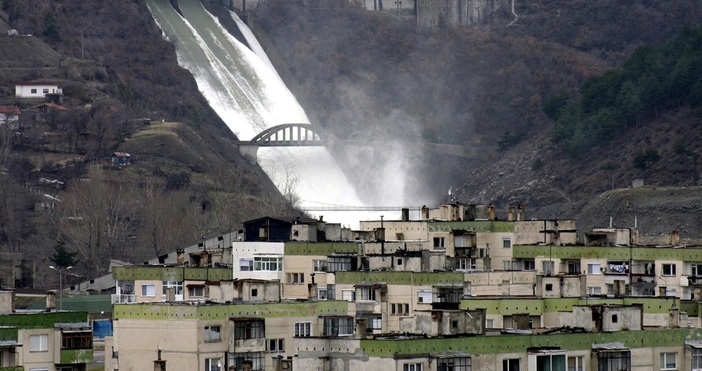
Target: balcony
(367, 306)
(123, 299)
(74, 356)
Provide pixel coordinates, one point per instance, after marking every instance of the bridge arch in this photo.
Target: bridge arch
(288, 135)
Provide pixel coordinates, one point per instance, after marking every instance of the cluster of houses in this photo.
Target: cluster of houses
(456, 289)
(43, 96)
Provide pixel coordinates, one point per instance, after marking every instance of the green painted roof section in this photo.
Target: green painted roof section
(320, 248)
(153, 272)
(520, 343)
(8, 333)
(475, 226)
(692, 308)
(399, 278)
(163, 311)
(41, 319)
(76, 356)
(81, 303)
(537, 306)
(609, 253)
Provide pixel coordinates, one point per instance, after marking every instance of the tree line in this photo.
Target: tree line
(654, 79)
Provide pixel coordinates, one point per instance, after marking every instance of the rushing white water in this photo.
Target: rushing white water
(249, 96)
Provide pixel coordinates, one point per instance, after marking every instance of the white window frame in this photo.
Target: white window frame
(439, 242)
(594, 290)
(577, 363)
(506, 242)
(594, 268)
(548, 266)
(696, 359)
(413, 367)
(424, 296)
(671, 269)
(148, 290)
(348, 294)
(246, 264)
(213, 364)
(303, 329)
(666, 361)
(213, 334)
(39, 343)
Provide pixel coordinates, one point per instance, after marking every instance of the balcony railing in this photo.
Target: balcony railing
(123, 298)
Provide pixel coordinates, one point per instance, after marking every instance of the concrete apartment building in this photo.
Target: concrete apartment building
(456, 290)
(44, 340)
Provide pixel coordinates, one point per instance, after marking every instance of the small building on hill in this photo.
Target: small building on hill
(36, 89)
(9, 115)
(121, 158)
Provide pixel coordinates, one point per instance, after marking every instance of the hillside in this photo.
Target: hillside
(372, 74)
(124, 92)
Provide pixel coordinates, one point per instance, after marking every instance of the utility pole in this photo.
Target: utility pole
(398, 4)
(61, 273)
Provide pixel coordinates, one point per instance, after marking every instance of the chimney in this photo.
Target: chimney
(180, 256)
(170, 294)
(675, 238)
(491, 212)
(50, 301)
(521, 212)
(405, 214)
(510, 213)
(425, 212)
(159, 365)
(673, 317)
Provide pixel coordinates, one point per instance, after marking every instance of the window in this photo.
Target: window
(376, 323)
(489, 323)
(148, 290)
(669, 269)
(38, 343)
(45, 91)
(33, 91)
(366, 293)
(196, 291)
(424, 296)
(460, 241)
(510, 364)
(439, 243)
(178, 286)
(550, 362)
(464, 264)
(339, 263)
(276, 345)
(322, 294)
(575, 363)
(593, 290)
(348, 295)
(507, 265)
(696, 269)
(549, 287)
(249, 329)
(320, 265)
(268, 264)
(399, 309)
(696, 359)
(529, 264)
(254, 293)
(331, 291)
(246, 265)
(77, 340)
(506, 242)
(593, 268)
(254, 360)
(547, 267)
(573, 267)
(412, 367)
(669, 361)
(303, 329)
(614, 360)
(338, 326)
(454, 364)
(213, 364)
(213, 334)
(295, 278)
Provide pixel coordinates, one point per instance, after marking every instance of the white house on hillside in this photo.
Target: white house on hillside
(36, 89)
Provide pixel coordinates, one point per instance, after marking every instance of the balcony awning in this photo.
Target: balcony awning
(9, 344)
(374, 285)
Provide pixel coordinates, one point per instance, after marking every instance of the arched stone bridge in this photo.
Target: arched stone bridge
(284, 135)
(300, 135)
